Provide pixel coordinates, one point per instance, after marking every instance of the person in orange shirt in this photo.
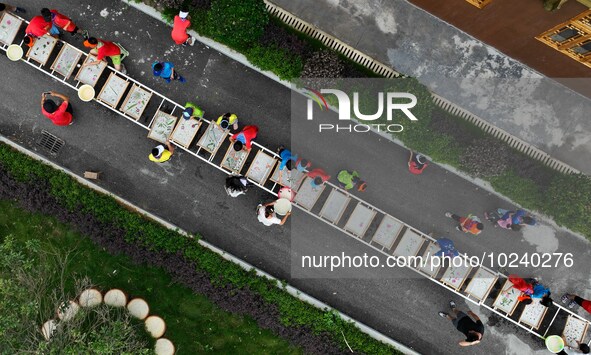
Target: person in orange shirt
(179, 29)
(59, 20)
(60, 115)
(470, 224)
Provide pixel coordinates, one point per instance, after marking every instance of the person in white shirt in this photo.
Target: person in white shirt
(266, 215)
(569, 350)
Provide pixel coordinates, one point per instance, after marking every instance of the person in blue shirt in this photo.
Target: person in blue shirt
(166, 71)
(286, 159)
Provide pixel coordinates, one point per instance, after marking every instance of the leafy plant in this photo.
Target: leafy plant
(323, 64)
(237, 23)
(486, 158)
(286, 65)
(569, 201)
(277, 36)
(522, 190)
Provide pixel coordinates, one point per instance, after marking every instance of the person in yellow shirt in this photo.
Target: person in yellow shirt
(160, 153)
(227, 120)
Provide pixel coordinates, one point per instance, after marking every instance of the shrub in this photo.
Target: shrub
(323, 64)
(237, 23)
(486, 158)
(281, 62)
(163, 4)
(569, 201)
(523, 191)
(277, 36)
(200, 4)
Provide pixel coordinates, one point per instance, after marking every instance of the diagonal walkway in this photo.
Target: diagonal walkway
(381, 304)
(467, 72)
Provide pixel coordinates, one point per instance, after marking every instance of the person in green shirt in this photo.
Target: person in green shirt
(348, 180)
(192, 110)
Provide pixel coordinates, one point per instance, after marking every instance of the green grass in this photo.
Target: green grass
(194, 324)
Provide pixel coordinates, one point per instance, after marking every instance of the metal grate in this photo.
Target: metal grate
(50, 142)
(384, 70)
(508, 138)
(331, 42)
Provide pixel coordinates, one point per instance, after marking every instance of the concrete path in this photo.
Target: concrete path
(188, 193)
(462, 69)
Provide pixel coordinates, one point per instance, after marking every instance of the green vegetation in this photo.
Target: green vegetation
(284, 64)
(292, 311)
(194, 324)
(238, 24)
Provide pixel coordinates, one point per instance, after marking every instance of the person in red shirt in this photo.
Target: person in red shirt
(318, 177)
(244, 138)
(102, 49)
(574, 299)
(60, 115)
(179, 29)
(417, 163)
(470, 224)
(38, 27)
(60, 21)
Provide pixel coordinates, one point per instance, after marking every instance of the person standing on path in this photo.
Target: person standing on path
(318, 177)
(417, 163)
(59, 20)
(286, 162)
(103, 49)
(192, 110)
(160, 153)
(179, 29)
(350, 179)
(11, 8)
(470, 224)
(228, 119)
(166, 71)
(244, 138)
(473, 330)
(581, 348)
(573, 299)
(36, 28)
(266, 215)
(60, 115)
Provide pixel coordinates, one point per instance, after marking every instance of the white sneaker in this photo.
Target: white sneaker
(448, 214)
(192, 41)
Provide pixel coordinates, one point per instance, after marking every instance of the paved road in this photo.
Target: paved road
(464, 70)
(189, 193)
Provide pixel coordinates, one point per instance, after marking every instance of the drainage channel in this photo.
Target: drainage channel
(386, 71)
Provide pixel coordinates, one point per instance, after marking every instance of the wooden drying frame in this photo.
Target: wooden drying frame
(395, 236)
(113, 74)
(131, 91)
(266, 176)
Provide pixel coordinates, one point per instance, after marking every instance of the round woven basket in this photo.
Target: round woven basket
(138, 308)
(164, 347)
(90, 298)
(115, 298)
(155, 326)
